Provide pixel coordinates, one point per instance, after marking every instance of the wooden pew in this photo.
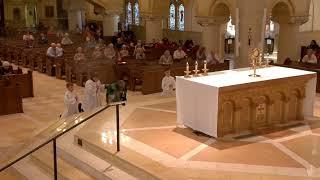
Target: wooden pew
(24, 81)
(11, 101)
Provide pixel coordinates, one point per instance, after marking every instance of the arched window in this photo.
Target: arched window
(136, 14)
(176, 15)
(231, 30)
(181, 17)
(129, 13)
(172, 17)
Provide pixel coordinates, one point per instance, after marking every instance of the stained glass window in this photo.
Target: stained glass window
(181, 17)
(172, 17)
(136, 14)
(129, 13)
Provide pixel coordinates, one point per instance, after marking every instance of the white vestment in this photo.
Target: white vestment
(168, 86)
(71, 104)
(91, 96)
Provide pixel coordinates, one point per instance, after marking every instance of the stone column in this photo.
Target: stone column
(212, 34)
(76, 14)
(249, 18)
(153, 27)
(289, 46)
(110, 22)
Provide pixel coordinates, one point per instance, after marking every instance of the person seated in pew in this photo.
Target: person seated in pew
(201, 54)
(109, 51)
(43, 39)
(168, 84)
(71, 102)
(52, 50)
(139, 52)
(179, 54)
(166, 58)
(59, 50)
(90, 41)
(314, 45)
(6, 68)
(310, 57)
(98, 52)
(124, 51)
(66, 40)
(213, 58)
(28, 39)
(79, 56)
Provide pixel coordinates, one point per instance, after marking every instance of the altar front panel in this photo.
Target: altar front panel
(230, 102)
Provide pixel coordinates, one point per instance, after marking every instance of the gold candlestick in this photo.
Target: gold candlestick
(255, 57)
(196, 69)
(205, 70)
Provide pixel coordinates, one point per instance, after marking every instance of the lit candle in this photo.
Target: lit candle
(196, 66)
(205, 65)
(187, 68)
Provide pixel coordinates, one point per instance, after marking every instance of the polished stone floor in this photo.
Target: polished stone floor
(151, 139)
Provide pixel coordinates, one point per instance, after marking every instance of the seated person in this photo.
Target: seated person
(79, 56)
(66, 40)
(166, 58)
(109, 51)
(59, 50)
(52, 50)
(313, 45)
(179, 54)
(90, 41)
(28, 39)
(98, 52)
(201, 54)
(310, 57)
(43, 39)
(168, 84)
(124, 51)
(139, 52)
(119, 43)
(213, 58)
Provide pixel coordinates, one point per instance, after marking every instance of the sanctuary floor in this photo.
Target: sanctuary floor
(152, 141)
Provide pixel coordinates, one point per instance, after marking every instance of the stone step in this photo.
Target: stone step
(30, 170)
(88, 162)
(44, 159)
(115, 160)
(12, 174)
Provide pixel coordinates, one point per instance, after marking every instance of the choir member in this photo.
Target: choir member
(168, 84)
(71, 102)
(166, 58)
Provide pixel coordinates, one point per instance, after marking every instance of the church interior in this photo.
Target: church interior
(160, 89)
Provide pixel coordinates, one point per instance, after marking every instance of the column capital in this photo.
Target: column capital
(205, 21)
(298, 19)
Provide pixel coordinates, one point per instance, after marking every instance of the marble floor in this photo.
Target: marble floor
(152, 141)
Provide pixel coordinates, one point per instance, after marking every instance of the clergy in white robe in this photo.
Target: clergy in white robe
(70, 102)
(168, 84)
(91, 94)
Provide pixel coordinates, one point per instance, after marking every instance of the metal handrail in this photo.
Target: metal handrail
(53, 139)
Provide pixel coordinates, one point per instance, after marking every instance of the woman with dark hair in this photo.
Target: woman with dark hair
(314, 45)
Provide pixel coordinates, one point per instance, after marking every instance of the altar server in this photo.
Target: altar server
(70, 102)
(168, 84)
(91, 94)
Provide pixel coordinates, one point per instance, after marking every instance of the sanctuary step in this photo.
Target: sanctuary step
(106, 153)
(44, 159)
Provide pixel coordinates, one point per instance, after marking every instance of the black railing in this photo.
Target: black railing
(55, 137)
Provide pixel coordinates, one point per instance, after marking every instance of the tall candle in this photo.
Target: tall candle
(187, 68)
(205, 65)
(196, 66)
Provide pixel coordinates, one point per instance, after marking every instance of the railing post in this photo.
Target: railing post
(118, 128)
(55, 169)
